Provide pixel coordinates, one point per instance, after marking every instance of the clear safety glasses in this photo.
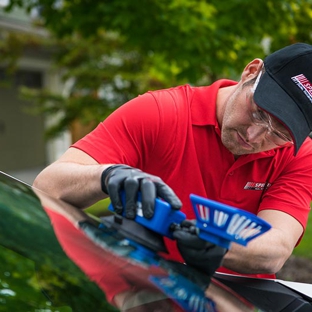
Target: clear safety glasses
(262, 119)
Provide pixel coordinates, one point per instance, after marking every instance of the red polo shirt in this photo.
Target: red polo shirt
(174, 134)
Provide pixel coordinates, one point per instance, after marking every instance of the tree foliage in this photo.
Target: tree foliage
(113, 50)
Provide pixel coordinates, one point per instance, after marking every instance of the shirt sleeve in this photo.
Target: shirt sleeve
(127, 135)
(291, 192)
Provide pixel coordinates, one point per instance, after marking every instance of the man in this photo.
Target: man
(242, 143)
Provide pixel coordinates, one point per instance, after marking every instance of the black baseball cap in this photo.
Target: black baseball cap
(285, 89)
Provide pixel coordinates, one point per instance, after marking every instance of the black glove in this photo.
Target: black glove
(196, 252)
(121, 177)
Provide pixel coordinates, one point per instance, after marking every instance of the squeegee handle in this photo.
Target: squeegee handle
(164, 216)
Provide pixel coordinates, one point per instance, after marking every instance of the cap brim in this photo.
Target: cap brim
(275, 100)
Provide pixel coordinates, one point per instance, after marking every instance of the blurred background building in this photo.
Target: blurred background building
(24, 152)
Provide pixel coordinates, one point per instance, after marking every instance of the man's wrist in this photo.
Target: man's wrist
(106, 173)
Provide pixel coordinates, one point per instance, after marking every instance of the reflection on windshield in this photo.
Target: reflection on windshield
(81, 264)
(132, 277)
(35, 273)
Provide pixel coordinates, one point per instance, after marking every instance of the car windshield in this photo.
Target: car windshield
(55, 257)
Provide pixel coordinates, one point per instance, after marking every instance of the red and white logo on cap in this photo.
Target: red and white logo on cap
(304, 84)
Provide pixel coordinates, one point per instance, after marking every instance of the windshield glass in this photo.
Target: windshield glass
(55, 257)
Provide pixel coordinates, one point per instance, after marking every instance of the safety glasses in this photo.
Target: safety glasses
(261, 118)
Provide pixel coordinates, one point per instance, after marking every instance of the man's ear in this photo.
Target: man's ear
(252, 70)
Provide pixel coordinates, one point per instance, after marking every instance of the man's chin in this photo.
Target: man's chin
(236, 149)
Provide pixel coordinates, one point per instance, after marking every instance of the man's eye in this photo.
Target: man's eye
(277, 135)
(262, 115)
(259, 116)
(282, 136)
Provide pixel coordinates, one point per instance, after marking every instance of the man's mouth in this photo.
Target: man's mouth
(243, 142)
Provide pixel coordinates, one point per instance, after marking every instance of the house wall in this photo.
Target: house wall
(23, 150)
(21, 139)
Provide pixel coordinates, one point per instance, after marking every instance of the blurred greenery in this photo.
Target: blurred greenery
(100, 208)
(20, 288)
(304, 248)
(35, 273)
(110, 51)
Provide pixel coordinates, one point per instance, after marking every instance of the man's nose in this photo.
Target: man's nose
(256, 134)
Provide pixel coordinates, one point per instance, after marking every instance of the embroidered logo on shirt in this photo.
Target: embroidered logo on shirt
(304, 84)
(257, 186)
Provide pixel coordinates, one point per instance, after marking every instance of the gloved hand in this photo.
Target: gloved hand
(122, 177)
(196, 252)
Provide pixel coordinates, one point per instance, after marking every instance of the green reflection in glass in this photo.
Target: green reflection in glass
(19, 287)
(35, 273)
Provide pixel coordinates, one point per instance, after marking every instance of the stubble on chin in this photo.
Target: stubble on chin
(230, 142)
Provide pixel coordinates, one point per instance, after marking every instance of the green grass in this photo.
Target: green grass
(99, 209)
(304, 249)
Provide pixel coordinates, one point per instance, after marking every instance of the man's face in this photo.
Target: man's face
(247, 129)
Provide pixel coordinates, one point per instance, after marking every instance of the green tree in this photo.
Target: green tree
(113, 50)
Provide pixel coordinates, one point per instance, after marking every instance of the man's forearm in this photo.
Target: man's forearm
(77, 184)
(264, 255)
